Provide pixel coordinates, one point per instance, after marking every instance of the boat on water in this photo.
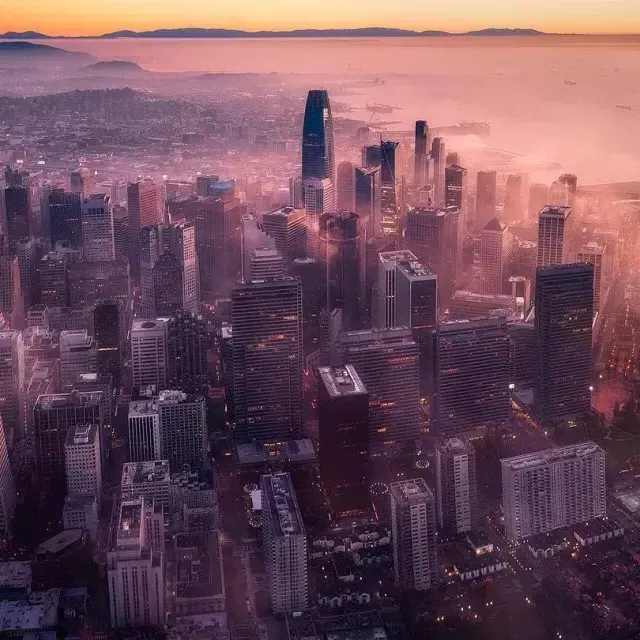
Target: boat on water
(571, 83)
(626, 107)
(381, 108)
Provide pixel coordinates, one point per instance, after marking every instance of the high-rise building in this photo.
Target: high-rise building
(284, 544)
(180, 239)
(438, 158)
(107, 334)
(340, 252)
(553, 235)
(144, 429)
(83, 461)
(93, 282)
(149, 352)
(80, 181)
(456, 485)
(149, 241)
(254, 236)
(472, 375)
(433, 237)
(12, 383)
(288, 227)
(295, 193)
(97, 229)
(265, 263)
(319, 198)
(7, 487)
(27, 252)
(53, 415)
(551, 489)
(17, 213)
(54, 279)
(420, 168)
(563, 325)
(371, 156)
(389, 191)
(387, 363)
(367, 198)
(343, 426)
(267, 359)
(455, 181)
(538, 198)
(485, 198)
(65, 215)
(77, 355)
(142, 205)
(602, 260)
(413, 535)
(558, 194)
(496, 256)
(167, 285)
(135, 571)
(183, 429)
(187, 353)
(121, 232)
(515, 197)
(318, 155)
(346, 187)
(203, 184)
(11, 298)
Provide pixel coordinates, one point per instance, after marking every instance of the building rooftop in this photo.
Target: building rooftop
(198, 565)
(495, 225)
(130, 521)
(341, 381)
(288, 451)
(279, 501)
(79, 502)
(592, 248)
(284, 212)
(576, 267)
(470, 324)
(402, 255)
(596, 527)
(16, 574)
(148, 325)
(51, 401)
(194, 480)
(414, 269)
(81, 434)
(550, 456)
(39, 613)
(452, 445)
(143, 408)
(410, 490)
(61, 541)
(151, 471)
(433, 212)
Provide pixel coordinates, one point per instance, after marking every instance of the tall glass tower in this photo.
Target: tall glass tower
(318, 155)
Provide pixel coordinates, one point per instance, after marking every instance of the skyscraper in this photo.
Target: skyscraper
(367, 198)
(187, 353)
(12, 381)
(149, 352)
(318, 155)
(65, 212)
(343, 425)
(496, 256)
(340, 252)
(121, 232)
(421, 154)
(93, 282)
(346, 187)
(538, 198)
(149, 240)
(265, 263)
(553, 235)
(295, 193)
(563, 326)
(433, 237)
(167, 285)
(54, 279)
(455, 180)
(142, 204)
(472, 375)
(387, 363)
(144, 430)
(456, 485)
(599, 255)
(17, 213)
(551, 489)
(7, 487)
(515, 198)
(284, 544)
(413, 535)
(77, 355)
(83, 461)
(97, 229)
(371, 156)
(319, 199)
(558, 194)
(27, 252)
(267, 359)
(389, 187)
(106, 330)
(438, 157)
(180, 240)
(485, 198)
(288, 227)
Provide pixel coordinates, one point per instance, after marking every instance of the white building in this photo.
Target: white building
(135, 571)
(496, 256)
(144, 430)
(83, 461)
(77, 355)
(456, 485)
(285, 544)
(553, 236)
(149, 352)
(12, 377)
(413, 535)
(551, 489)
(98, 242)
(149, 480)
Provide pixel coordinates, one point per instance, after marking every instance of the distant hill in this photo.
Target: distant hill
(20, 49)
(114, 66)
(365, 32)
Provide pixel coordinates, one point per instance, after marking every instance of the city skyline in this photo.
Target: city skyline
(72, 18)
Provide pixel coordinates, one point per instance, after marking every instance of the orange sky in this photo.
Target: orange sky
(82, 17)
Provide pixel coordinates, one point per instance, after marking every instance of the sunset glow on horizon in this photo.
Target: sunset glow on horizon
(79, 18)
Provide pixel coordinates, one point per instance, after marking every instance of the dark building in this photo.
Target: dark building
(107, 333)
(150, 243)
(121, 232)
(142, 205)
(340, 252)
(318, 155)
(54, 282)
(420, 169)
(522, 354)
(203, 184)
(167, 285)
(267, 359)
(485, 198)
(453, 158)
(313, 277)
(187, 350)
(93, 282)
(438, 158)
(345, 191)
(288, 227)
(389, 191)
(433, 236)
(371, 156)
(367, 198)
(563, 327)
(17, 210)
(455, 184)
(343, 426)
(65, 218)
(472, 375)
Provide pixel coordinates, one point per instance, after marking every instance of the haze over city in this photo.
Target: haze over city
(320, 324)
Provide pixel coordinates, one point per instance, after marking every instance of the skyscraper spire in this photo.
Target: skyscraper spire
(318, 156)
